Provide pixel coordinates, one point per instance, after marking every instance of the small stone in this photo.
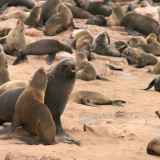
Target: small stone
(50, 157)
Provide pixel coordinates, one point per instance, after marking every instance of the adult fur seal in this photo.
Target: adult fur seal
(32, 113)
(34, 17)
(6, 3)
(156, 83)
(59, 21)
(140, 23)
(81, 36)
(85, 70)
(42, 47)
(61, 80)
(93, 99)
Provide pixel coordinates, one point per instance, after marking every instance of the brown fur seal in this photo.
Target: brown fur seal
(34, 17)
(98, 20)
(93, 99)
(156, 69)
(81, 36)
(100, 45)
(32, 113)
(12, 84)
(4, 74)
(85, 70)
(117, 15)
(141, 40)
(139, 57)
(153, 147)
(152, 39)
(20, 15)
(6, 3)
(95, 8)
(48, 9)
(148, 48)
(156, 83)
(140, 23)
(60, 21)
(42, 47)
(61, 80)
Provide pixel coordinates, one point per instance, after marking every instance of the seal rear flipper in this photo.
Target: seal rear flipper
(27, 140)
(3, 7)
(118, 102)
(151, 152)
(50, 58)
(102, 79)
(114, 68)
(19, 59)
(150, 85)
(88, 103)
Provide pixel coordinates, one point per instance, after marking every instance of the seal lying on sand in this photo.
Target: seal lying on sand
(93, 99)
(61, 80)
(42, 47)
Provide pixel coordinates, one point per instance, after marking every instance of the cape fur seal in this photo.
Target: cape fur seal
(152, 39)
(60, 21)
(34, 17)
(42, 47)
(98, 20)
(140, 23)
(6, 3)
(156, 83)
(61, 80)
(93, 99)
(81, 36)
(32, 113)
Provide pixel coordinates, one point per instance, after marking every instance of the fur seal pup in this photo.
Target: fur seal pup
(32, 113)
(117, 15)
(42, 47)
(6, 3)
(101, 45)
(98, 20)
(34, 17)
(140, 23)
(139, 57)
(152, 39)
(81, 36)
(85, 71)
(48, 9)
(156, 83)
(153, 147)
(93, 99)
(95, 8)
(60, 21)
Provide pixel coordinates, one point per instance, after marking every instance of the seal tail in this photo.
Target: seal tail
(102, 79)
(114, 68)
(19, 59)
(150, 85)
(118, 102)
(151, 152)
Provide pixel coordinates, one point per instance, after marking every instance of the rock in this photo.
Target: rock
(33, 32)
(50, 157)
(61, 55)
(20, 156)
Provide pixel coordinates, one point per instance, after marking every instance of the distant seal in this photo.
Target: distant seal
(153, 147)
(60, 21)
(48, 9)
(93, 99)
(139, 57)
(6, 3)
(32, 113)
(34, 17)
(101, 45)
(98, 20)
(61, 81)
(156, 83)
(140, 23)
(85, 71)
(117, 15)
(81, 36)
(42, 47)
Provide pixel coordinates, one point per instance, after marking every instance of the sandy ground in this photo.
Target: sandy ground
(118, 132)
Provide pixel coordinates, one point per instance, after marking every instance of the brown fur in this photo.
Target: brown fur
(152, 39)
(156, 69)
(4, 31)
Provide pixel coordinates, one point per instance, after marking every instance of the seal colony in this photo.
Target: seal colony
(37, 106)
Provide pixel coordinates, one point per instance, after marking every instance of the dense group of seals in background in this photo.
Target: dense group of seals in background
(47, 93)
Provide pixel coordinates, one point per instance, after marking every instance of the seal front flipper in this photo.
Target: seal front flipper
(114, 68)
(118, 102)
(151, 152)
(102, 79)
(150, 85)
(130, 31)
(19, 59)
(50, 58)
(3, 7)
